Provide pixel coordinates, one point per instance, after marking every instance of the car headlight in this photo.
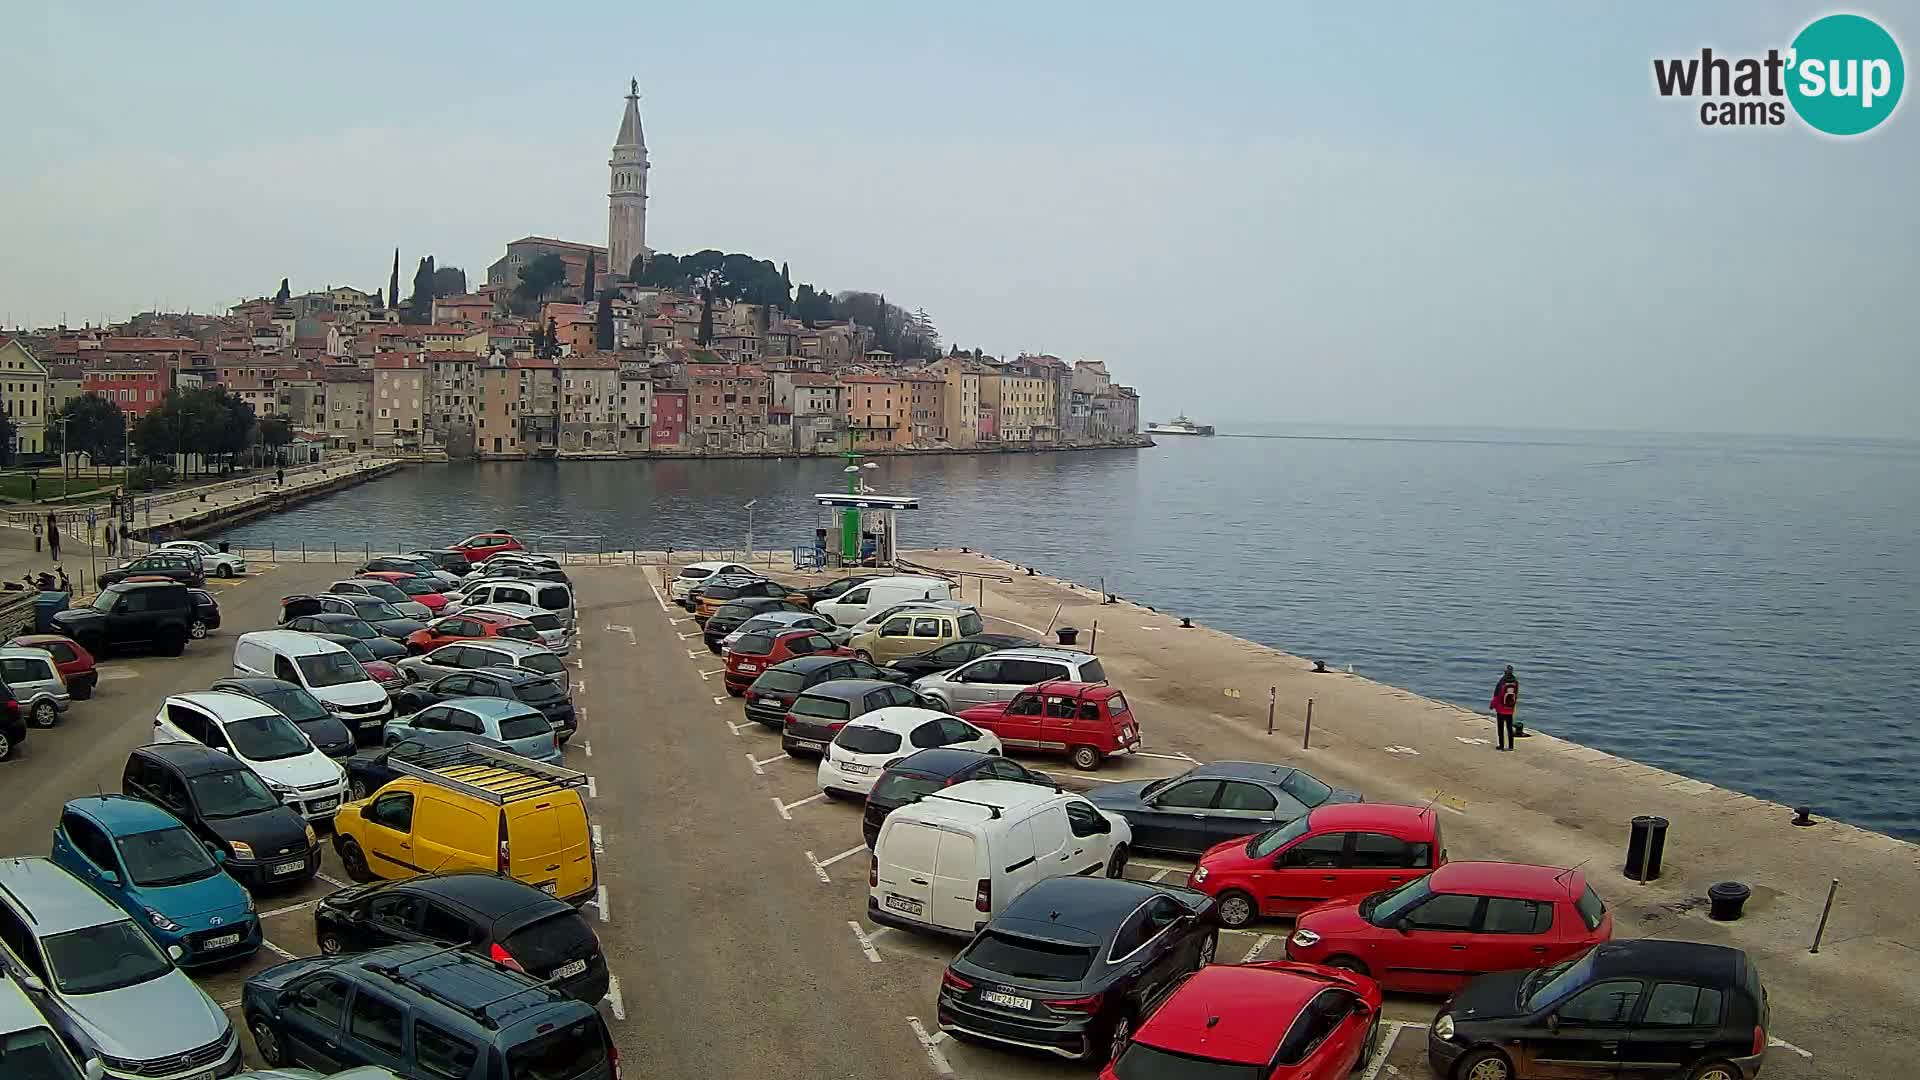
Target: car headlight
(241, 849)
(313, 838)
(249, 903)
(161, 922)
(1305, 938)
(1199, 875)
(1443, 1025)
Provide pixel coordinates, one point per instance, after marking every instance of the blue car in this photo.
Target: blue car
(523, 728)
(142, 858)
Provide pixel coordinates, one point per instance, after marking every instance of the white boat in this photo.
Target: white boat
(1180, 425)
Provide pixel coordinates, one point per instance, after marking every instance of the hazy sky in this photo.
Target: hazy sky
(1384, 213)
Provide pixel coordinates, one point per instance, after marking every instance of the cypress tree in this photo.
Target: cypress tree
(706, 314)
(393, 283)
(282, 296)
(603, 326)
(586, 296)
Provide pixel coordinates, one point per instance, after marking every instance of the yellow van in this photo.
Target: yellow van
(468, 807)
(907, 633)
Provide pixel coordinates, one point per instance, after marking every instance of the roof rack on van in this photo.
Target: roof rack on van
(992, 810)
(393, 972)
(529, 779)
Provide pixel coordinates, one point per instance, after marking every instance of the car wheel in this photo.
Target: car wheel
(1347, 963)
(1117, 862)
(354, 861)
(1235, 909)
(223, 570)
(1117, 1038)
(357, 791)
(332, 944)
(1085, 758)
(173, 645)
(862, 654)
(1484, 1064)
(1715, 1070)
(267, 1042)
(6, 746)
(1370, 1047)
(46, 714)
(82, 693)
(1208, 949)
(197, 629)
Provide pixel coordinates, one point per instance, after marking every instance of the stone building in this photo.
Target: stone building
(399, 401)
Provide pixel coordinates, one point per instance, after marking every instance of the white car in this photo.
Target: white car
(787, 620)
(875, 740)
(253, 733)
(555, 634)
(693, 574)
(218, 563)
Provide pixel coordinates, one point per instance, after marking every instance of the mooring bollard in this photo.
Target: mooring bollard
(1306, 737)
(1825, 910)
(1273, 692)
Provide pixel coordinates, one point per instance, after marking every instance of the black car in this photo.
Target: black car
(518, 684)
(773, 692)
(13, 723)
(725, 587)
(181, 566)
(328, 734)
(1650, 1008)
(913, 777)
(206, 613)
(954, 653)
(511, 923)
(835, 587)
(384, 618)
(819, 712)
(728, 616)
(366, 775)
(453, 562)
(1212, 803)
(153, 613)
(353, 626)
(1074, 963)
(229, 808)
(405, 564)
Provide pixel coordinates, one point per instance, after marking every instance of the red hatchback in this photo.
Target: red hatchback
(753, 654)
(74, 662)
(480, 547)
(1088, 722)
(1271, 1021)
(1335, 850)
(1432, 934)
(419, 589)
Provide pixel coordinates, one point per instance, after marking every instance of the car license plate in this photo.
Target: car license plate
(1011, 1001)
(221, 942)
(854, 768)
(324, 804)
(290, 867)
(745, 666)
(208, 1075)
(902, 903)
(568, 971)
(814, 744)
(551, 888)
(371, 723)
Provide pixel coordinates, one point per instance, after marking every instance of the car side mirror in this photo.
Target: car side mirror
(95, 1070)
(1553, 1021)
(1103, 825)
(219, 857)
(30, 981)
(1404, 926)
(108, 877)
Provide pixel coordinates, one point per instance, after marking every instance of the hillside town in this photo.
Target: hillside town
(577, 350)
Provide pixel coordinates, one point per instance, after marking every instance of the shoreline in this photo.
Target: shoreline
(1141, 443)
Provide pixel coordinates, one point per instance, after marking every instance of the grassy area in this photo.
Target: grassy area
(18, 487)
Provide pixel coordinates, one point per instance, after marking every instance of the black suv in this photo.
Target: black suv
(423, 1010)
(152, 613)
(923, 772)
(13, 723)
(181, 566)
(773, 692)
(510, 922)
(453, 562)
(223, 803)
(728, 616)
(516, 684)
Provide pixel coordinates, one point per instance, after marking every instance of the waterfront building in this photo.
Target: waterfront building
(64, 383)
(667, 422)
(135, 383)
(879, 412)
(927, 402)
(399, 401)
(727, 406)
(589, 403)
(348, 404)
(636, 407)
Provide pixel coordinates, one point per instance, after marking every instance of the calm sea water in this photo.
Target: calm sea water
(1743, 610)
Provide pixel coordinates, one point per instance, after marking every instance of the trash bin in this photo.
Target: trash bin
(1727, 898)
(1068, 634)
(1648, 841)
(44, 607)
(223, 548)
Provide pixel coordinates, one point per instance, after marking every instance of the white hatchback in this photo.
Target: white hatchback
(264, 740)
(692, 574)
(867, 745)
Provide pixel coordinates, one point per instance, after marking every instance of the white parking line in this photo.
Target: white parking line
(1259, 946)
(866, 943)
(718, 700)
(579, 686)
(695, 634)
(587, 745)
(1394, 1027)
(335, 882)
(1135, 861)
(599, 841)
(1163, 757)
(277, 950)
(290, 909)
(1785, 1045)
(820, 865)
(691, 655)
(785, 807)
(736, 728)
(229, 1006)
(115, 674)
(819, 871)
(614, 1000)
(580, 663)
(1159, 876)
(593, 789)
(600, 901)
(711, 674)
(616, 628)
(657, 598)
(930, 1043)
(1029, 629)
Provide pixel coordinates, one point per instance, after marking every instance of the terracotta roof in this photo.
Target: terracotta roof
(64, 371)
(813, 378)
(557, 243)
(395, 362)
(451, 356)
(887, 379)
(138, 344)
(590, 361)
(347, 374)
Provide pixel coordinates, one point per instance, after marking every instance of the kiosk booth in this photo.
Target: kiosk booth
(864, 529)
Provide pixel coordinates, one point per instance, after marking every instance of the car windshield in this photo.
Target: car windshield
(540, 692)
(1091, 671)
(1018, 957)
(720, 592)
(753, 644)
(332, 669)
(383, 591)
(1591, 908)
(970, 624)
(865, 739)
(105, 957)
(525, 726)
(414, 586)
(231, 794)
(361, 651)
(295, 704)
(1385, 908)
(543, 662)
(266, 738)
(825, 708)
(164, 857)
(1266, 843)
(727, 613)
(906, 787)
(107, 598)
(1308, 790)
(777, 681)
(575, 1050)
(544, 620)
(695, 573)
(35, 1054)
(1143, 1062)
(353, 628)
(1551, 983)
(520, 631)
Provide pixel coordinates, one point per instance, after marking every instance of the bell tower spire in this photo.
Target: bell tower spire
(627, 191)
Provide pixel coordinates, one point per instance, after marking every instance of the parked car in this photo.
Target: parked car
(386, 591)
(516, 926)
(770, 695)
(139, 1012)
(468, 1018)
(1464, 919)
(552, 630)
(914, 631)
(947, 863)
(712, 593)
(181, 566)
(214, 561)
(999, 676)
(1335, 850)
(1624, 1008)
(326, 731)
(369, 773)
(819, 712)
(1208, 804)
(475, 808)
(866, 746)
(428, 592)
(524, 558)
(468, 626)
(954, 653)
(481, 546)
(384, 672)
(411, 565)
(326, 670)
(512, 684)
(755, 653)
(1088, 722)
(143, 859)
(545, 595)
(1072, 963)
(384, 619)
(692, 574)
(453, 562)
(923, 772)
(206, 614)
(260, 738)
(1273, 1021)
(785, 620)
(730, 616)
(36, 684)
(505, 567)
(74, 662)
(229, 808)
(831, 589)
(13, 725)
(149, 613)
(30, 1045)
(519, 726)
(331, 624)
(872, 622)
(487, 652)
(879, 593)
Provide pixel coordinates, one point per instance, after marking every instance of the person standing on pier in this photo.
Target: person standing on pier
(1506, 698)
(53, 536)
(113, 539)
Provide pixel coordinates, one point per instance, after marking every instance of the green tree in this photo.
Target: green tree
(553, 338)
(537, 278)
(706, 313)
(393, 283)
(284, 293)
(7, 436)
(586, 291)
(449, 281)
(95, 427)
(603, 325)
(420, 304)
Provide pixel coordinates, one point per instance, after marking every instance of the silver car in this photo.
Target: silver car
(1000, 675)
(36, 683)
(383, 590)
(789, 620)
(83, 962)
(547, 595)
(487, 652)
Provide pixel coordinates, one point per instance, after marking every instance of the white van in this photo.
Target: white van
(948, 863)
(327, 670)
(881, 593)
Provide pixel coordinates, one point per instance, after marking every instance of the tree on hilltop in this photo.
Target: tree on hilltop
(449, 281)
(282, 296)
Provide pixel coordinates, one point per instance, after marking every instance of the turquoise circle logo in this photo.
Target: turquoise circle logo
(1847, 75)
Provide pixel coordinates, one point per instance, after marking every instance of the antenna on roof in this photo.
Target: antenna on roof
(1212, 1020)
(1562, 875)
(1428, 809)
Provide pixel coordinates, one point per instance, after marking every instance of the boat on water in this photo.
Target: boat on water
(1180, 425)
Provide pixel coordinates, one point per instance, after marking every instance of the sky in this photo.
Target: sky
(1392, 214)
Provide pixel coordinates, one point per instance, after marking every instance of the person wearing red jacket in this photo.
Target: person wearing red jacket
(1506, 697)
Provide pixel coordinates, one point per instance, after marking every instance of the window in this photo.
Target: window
(1242, 797)
(1508, 916)
(442, 1054)
(927, 628)
(1192, 795)
(1376, 851)
(442, 925)
(376, 1023)
(1082, 818)
(1322, 851)
(91, 842)
(956, 731)
(1318, 1020)
(987, 671)
(1602, 1003)
(394, 810)
(1682, 1005)
(1305, 788)
(1446, 911)
(323, 999)
(396, 909)
(1592, 909)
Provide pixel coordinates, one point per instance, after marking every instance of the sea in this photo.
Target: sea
(1740, 609)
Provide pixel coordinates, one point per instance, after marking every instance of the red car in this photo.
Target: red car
(1271, 1021)
(70, 658)
(1335, 850)
(482, 546)
(420, 590)
(1434, 933)
(469, 625)
(1088, 722)
(755, 653)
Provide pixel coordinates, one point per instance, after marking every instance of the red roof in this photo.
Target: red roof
(140, 344)
(813, 378)
(447, 356)
(591, 362)
(395, 362)
(1235, 1012)
(888, 379)
(1520, 881)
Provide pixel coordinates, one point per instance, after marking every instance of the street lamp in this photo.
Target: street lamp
(751, 503)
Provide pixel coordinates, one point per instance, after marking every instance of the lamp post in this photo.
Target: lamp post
(751, 503)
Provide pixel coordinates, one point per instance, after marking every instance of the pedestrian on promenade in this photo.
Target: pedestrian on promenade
(113, 540)
(1506, 697)
(53, 536)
